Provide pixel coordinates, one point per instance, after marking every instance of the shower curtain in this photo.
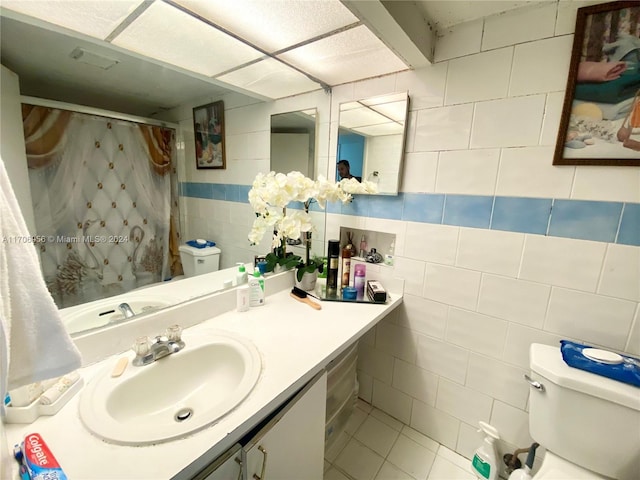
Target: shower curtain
(105, 200)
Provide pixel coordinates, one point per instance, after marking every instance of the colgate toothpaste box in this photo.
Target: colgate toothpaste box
(39, 460)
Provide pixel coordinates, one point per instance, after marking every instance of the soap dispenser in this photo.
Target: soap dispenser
(241, 275)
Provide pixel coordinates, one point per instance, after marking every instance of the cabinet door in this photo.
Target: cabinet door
(291, 445)
(227, 466)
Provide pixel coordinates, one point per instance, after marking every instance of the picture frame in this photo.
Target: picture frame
(600, 121)
(209, 140)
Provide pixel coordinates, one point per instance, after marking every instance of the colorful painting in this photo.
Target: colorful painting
(208, 128)
(600, 123)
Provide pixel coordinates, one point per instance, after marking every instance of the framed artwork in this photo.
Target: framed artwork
(600, 122)
(208, 128)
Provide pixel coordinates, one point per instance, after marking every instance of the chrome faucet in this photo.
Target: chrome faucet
(126, 310)
(148, 351)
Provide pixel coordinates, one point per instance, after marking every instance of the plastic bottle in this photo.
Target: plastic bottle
(524, 473)
(359, 280)
(346, 265)
(363, 247)
(485, 460)
(256, 289)
(242, 298)
(241, 275)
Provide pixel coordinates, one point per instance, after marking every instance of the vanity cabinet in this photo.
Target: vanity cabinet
(291, 445)
(227, 466)
(287, 445)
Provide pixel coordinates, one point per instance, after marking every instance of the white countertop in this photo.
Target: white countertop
(295, 342)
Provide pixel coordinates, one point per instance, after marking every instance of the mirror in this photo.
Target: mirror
(294, 147)
(147, 90)
(293, 142)
(371, 138)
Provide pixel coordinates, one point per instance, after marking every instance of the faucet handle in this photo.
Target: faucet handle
(141, 346)
(174, 333)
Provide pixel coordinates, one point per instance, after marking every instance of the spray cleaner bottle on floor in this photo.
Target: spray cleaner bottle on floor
(485, 460)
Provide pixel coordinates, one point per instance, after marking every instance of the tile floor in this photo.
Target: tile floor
(375, 446)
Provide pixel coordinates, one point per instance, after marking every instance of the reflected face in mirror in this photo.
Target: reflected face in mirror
(371, 136)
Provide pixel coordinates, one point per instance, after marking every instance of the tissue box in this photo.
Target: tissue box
(376, 292)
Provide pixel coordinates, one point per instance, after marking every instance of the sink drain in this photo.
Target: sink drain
(183, 414)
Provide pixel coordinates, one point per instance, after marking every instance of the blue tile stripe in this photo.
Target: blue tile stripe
(613, 222)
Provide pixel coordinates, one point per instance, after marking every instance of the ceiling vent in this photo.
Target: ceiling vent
(91, 58)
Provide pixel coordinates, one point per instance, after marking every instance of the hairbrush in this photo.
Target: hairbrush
(303, 297)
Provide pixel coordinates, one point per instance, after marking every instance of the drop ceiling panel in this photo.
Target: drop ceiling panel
(96, 19)
(167, 34)
(348, 56)
(394, 110)
(270, 78)
(360, 117)
(274, 24)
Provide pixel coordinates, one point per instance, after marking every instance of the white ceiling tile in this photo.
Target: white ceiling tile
(270, 78)
(170, 35)
(351, 55)
(274, 24)
(96, 19)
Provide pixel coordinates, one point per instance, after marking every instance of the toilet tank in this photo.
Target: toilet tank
(585, 418)
(196, 261)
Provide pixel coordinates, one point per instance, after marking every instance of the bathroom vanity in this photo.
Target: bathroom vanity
(283, 412)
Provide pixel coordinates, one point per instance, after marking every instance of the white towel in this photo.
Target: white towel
(34, 343)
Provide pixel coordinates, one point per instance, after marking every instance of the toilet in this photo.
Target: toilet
(199, 260)
(589, 424)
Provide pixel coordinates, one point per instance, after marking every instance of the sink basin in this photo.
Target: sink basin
(102, 312)
(174, 396)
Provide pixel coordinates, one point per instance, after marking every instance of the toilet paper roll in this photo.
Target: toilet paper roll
(54, 392)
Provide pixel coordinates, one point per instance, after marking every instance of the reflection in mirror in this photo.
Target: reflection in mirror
(371, 138)
(293, 148)
(293, 142)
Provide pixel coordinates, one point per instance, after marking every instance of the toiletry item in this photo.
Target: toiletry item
(374, 257)
(256, 289)
(359, 275)
(227, 284)
(363, 247)
(23, 396)
(346, 265)
(349, 293)
(485, 460)
(376, 292)
(119, 367)
(333, 254)
(241, 275)
(40, 462)
(524, 473)
(388, 258)
(62, 385)
(242, 298)
(303, 297)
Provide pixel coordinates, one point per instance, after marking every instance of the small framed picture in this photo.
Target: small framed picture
(600, 122)
(208, 129)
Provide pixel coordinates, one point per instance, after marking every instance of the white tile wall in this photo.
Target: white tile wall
(451, 285)
(509, 122)
(535, 71)
(470, 172)
(453, 352)
(593, 318)
(490, 251)
(519, 25)
(490, 71)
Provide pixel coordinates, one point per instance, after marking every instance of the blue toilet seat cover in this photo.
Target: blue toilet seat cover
(628, 371)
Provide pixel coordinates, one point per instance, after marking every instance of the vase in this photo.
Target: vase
(308, 281)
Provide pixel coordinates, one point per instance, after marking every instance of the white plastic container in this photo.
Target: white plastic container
(485, 461)
(256, 289)
(242, 298)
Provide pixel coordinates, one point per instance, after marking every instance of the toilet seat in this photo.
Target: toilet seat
(557, 468)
